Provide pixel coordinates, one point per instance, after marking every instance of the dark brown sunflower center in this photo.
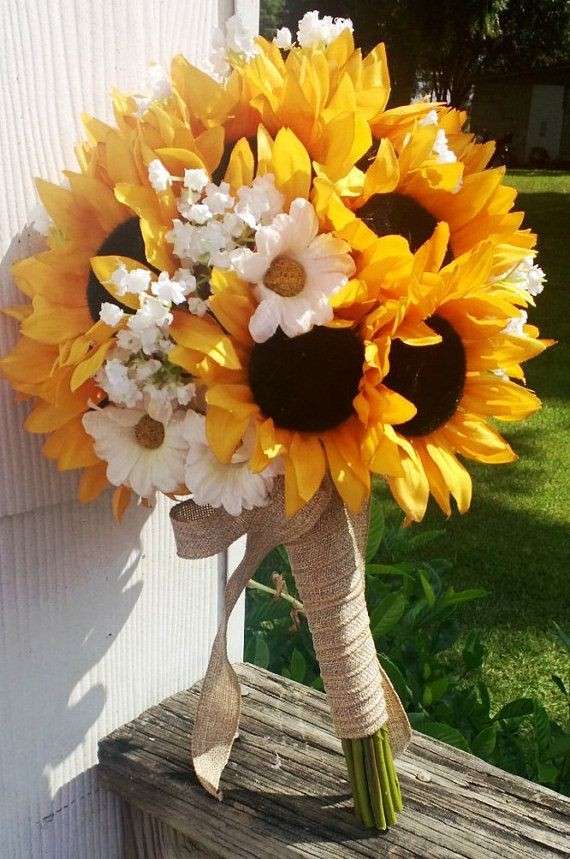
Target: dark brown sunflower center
(307, 383)
(389, 214)
(125, 240)
(431, 377)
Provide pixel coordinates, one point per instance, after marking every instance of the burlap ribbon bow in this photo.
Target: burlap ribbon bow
(326, 546)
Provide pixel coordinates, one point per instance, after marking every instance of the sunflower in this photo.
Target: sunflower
(63, 339)
(296, 393)
(414, 179)
(456, 382)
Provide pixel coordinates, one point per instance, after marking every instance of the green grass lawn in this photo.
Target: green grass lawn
(515, 541)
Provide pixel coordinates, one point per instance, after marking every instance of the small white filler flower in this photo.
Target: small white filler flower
(140, 452)
(294, 272)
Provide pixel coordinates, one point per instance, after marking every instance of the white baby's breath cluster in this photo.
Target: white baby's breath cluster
(157, 87)
(137, 372)
(214, 223)
(313, 31)
(232, 43)
(526, 280)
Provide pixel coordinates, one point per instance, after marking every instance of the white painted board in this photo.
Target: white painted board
(98, 621)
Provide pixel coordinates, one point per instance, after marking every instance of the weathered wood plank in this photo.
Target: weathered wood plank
(286, 794)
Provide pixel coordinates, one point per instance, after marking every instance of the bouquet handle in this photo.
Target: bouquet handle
(328, 566)
(325, 545)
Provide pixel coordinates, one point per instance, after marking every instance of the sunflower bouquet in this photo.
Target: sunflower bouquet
(261, 288)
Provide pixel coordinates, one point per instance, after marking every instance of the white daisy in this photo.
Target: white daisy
(232, 486)
(295, 271)
(140, 452)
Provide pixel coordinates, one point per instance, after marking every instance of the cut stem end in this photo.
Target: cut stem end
(374, 781)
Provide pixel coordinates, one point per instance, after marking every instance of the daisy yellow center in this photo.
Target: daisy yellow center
(285, 276)
(149, 433)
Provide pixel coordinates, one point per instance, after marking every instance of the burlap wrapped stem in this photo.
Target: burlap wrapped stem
(326, 545)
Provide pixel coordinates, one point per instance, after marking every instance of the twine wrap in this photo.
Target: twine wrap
(326, 545)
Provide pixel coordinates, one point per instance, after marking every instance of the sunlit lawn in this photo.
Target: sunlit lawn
(516, 540)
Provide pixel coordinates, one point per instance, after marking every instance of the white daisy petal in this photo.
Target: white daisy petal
(131, 463)
(264, 321)
(232, 486)
(295, 295)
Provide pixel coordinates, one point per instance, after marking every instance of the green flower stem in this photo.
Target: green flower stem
(374, 785)
(374, 781)
(349, 758)
(392, 774)
(361, 796)
(381, 763)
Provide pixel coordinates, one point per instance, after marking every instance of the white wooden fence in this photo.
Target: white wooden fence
(97, 620)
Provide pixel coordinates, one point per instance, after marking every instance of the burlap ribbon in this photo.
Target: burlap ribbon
(326, 546)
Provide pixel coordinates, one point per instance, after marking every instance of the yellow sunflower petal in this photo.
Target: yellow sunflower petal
(121, 500)
(204, 335)
(241, 166)
(438, 486)
(455, 475)
(383, 175)
(88, 368)
(412, 490)
(291, 166)
(293, 499)
(224, 431)
(308, 459)
(92, 483)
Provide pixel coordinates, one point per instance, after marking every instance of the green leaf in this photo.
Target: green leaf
(560, 746)
(445, 733)
(421, 540)
(541, 727)
(261, 656)
(473, 651)
(298, 666)
(516, 709)
(483, 745)
(560, 683)
(435, 690)
(397, 678)
(283, 556)
(427, 589)
(387, 614)
(547, 773)
(376, 529)
(389, 569)
(451, 598)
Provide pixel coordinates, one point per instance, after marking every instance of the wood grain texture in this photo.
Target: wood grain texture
(286, 794)
(97, 620)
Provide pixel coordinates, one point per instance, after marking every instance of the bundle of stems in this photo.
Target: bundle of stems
(374, 781)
